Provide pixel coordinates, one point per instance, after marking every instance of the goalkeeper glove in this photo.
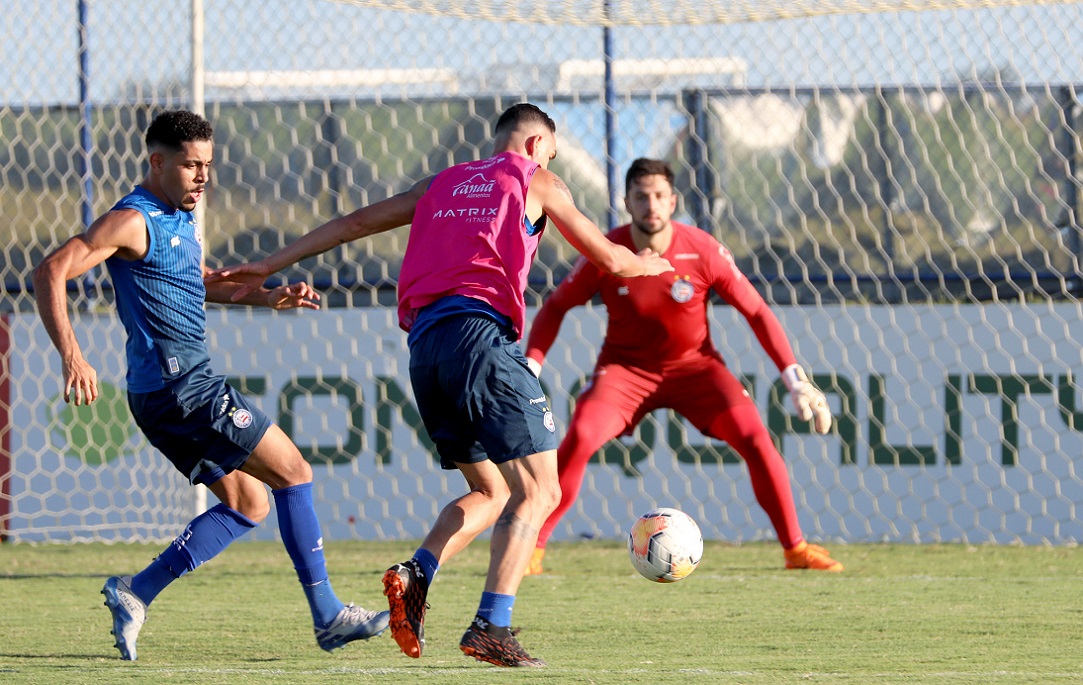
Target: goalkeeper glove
(809, 402)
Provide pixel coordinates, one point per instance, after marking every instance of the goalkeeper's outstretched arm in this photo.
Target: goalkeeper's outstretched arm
(808, 400)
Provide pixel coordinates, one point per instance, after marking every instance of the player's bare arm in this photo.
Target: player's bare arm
(291, 296)
(121, 232)
(382, 216)
(555, 201)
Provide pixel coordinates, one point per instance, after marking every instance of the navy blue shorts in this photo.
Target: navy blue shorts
(201, 424)
(475, 393)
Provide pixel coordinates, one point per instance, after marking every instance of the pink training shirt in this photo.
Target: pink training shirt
(470, 236)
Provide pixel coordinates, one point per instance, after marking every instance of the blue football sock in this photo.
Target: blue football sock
(301, 536)
(323, 602)
(202, 540)
(428, 562)
(148, 583)
(496, 608)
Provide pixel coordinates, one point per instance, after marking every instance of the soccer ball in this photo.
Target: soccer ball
(665, 545)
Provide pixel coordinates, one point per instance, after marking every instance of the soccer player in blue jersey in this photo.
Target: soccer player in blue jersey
(151, 246)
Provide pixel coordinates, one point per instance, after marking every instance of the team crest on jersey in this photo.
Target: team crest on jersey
(549, 422)
(682, 290)
(242, 418)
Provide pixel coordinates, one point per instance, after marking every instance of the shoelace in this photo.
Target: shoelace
(413, 579)
(512, 645)
(355, 612)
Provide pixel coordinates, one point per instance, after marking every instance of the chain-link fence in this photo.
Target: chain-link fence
(901, 183)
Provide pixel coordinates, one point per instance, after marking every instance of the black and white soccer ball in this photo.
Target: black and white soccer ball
(665, 545)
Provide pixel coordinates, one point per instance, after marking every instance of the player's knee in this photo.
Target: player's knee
(299, 471)
(543, 495)
(758, 446)
(496, 494)
(277, 462)
(255, 508)
(286, 473)
(581, 441)
(549, 496)
(578, 433)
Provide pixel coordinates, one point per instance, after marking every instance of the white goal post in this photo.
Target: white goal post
(900, 179)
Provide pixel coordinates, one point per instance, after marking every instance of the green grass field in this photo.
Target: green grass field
(899, 614)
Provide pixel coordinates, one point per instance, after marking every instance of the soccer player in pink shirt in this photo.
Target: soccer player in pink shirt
(658, 353)
(475, 229)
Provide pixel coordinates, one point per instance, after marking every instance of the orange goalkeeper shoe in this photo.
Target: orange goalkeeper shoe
(812, 557)
(535, 567)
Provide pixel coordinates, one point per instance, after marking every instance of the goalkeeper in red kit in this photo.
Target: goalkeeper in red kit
(658, 354)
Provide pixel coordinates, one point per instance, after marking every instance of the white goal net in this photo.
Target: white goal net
(899, 179)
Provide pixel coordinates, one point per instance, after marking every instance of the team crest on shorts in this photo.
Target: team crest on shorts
(682, 290)
(549, 422)
(242, 418)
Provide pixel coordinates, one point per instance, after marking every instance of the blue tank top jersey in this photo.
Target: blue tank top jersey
(161, 297)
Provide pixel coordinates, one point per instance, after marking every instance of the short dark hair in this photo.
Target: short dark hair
(647, 167)
(523, 113)
(173, 128)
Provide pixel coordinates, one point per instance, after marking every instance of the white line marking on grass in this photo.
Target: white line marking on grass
(427, 671)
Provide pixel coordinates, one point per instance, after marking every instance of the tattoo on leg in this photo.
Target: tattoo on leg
(517, 527)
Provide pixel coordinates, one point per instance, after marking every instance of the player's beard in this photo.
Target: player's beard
(648, 229)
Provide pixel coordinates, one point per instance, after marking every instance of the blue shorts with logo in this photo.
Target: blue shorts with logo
(475, 393)
(200, 423)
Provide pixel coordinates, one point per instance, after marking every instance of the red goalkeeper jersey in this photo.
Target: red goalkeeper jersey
(658, 322)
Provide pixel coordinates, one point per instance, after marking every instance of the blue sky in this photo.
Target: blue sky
(143, 45)
(38, 38)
